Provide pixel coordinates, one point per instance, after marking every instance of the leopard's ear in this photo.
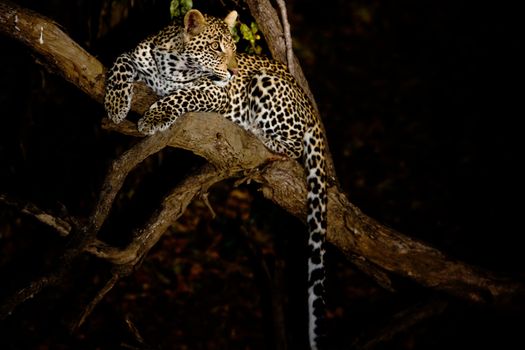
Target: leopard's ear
(194, 22)
(230, 19)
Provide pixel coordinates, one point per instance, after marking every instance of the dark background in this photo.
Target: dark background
(422, 102)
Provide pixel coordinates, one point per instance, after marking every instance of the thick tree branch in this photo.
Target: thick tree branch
(60, 53)
(354, 233)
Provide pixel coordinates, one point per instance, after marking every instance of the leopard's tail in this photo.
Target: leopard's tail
(315, 165)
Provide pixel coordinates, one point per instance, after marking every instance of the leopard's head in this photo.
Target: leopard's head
(209, 46)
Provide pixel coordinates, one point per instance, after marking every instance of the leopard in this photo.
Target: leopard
(193, 66)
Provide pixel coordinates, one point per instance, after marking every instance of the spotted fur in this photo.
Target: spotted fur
(194, 67)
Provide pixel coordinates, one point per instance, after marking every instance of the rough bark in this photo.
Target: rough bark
(375, 248)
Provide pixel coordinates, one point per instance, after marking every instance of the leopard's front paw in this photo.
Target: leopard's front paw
(152, 122)
(117, 102)
(146, 127)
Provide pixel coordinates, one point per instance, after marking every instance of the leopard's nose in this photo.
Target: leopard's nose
(233, 71)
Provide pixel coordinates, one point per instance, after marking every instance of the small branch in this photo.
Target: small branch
(100, 295)
(205, 199)
(63, 227)
(287, 37)
(117, 173)
(135, 332)
(24, 294)
(171, 208)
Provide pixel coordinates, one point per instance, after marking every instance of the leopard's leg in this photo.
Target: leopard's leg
(203, 97)
(119, 88)
(278, 122)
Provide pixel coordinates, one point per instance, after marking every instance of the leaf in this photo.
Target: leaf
(254, 27)
(178, 8)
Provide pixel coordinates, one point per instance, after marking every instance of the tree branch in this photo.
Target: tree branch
(287, 37)
(63, 227)
(355, 234)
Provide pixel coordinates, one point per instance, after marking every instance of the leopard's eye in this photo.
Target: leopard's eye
(215, 46)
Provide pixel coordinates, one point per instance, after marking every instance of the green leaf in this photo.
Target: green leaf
(178, 8)
(235, 34)
(246, 32)
(254, 27)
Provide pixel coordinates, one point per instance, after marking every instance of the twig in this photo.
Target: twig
(206, 200)
(7, 307)
(287, 37)
(100, 295)
(63, 227)
(135, 332)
